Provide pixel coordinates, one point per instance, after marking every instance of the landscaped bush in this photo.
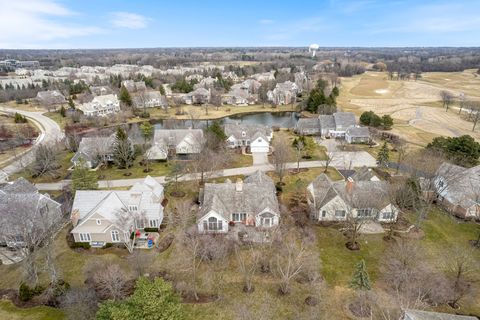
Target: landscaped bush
(83, 245)
(25, 293)
(150, 229)
(107, 245)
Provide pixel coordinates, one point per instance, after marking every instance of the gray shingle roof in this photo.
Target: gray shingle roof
(373, 194)
(258, 193)
(462, 185)
(363, 174)
(327, 121)
(308, 123)
(344, 119)
(252, 131)
(358, 132)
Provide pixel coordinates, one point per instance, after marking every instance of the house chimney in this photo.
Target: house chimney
(75, 217)
(350, 185)
(239, 185)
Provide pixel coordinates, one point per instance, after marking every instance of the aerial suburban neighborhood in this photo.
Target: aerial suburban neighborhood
(168, 161)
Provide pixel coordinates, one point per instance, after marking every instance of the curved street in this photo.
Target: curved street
(50, 131)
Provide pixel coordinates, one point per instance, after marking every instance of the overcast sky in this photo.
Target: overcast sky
(206, 23)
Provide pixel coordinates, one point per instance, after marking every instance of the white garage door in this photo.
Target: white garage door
(258, 149)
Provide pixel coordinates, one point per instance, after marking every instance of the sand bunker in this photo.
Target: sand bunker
(381, 91)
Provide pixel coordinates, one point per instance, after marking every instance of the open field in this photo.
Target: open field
(414, 105)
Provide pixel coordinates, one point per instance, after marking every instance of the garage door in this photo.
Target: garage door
(258, 149)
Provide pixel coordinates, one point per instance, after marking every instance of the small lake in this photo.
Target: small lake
(279, 119)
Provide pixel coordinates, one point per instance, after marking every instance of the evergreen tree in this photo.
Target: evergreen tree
(83, 178)
(387, 122)
(151, 300)
(383, 156)
(71, 104)
(123, 153)
(360, 279)
(125, 97)
(147, 130)
(62, 112)
(162, 90)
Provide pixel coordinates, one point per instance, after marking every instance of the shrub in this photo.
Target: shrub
(19, 118)
(107, 245)
(83, 245)
(24, 292)
(150, 229)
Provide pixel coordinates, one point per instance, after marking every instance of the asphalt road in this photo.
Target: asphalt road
(341, 160)
(50, 131)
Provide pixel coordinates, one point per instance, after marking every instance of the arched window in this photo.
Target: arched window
(214, 224)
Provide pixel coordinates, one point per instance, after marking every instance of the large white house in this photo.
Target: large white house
(101, 106)
(340, 200)
(252, 202)
(258, 137)
(107, 216)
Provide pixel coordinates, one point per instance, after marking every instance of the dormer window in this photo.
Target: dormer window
(244, 134)
(99, 222)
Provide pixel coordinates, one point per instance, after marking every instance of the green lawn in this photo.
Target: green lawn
(316, 153)
(57, 117)
(111, 172)
(11, 312)
(64, 157)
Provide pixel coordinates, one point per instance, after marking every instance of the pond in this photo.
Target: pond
(280, 119)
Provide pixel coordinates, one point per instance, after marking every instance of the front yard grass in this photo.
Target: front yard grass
(12, 312)
(112, 172)
(317, 152)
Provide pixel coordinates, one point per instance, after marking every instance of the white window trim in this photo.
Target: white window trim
(85, 237)
(99, 222)
(117, 236)
(153, 223)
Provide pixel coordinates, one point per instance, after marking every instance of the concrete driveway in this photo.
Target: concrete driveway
(260, 158)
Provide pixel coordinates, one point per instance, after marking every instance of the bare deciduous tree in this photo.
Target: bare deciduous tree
(328, 160)
(289, 261)
(447, 99)
(111, 282)
(46, 160)
(80, 304)
(281, 155)
(247, 265)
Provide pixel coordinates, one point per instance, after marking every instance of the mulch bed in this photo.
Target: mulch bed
(360, 310)
(311, 301)
(165, 243)
(352, 246)
(295, 171)
(177, 194)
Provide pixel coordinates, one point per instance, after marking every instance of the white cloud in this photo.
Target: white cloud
(265, 21)
(129, 20)
(34, 23)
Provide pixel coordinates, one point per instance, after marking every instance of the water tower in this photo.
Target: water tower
(313, 49)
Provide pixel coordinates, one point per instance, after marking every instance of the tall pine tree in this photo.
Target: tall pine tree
(123, 152)
(383, 156)
(360, 279)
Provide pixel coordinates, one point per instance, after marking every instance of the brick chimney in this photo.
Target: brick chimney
(75, 217)
(350, 185)
(239, 185)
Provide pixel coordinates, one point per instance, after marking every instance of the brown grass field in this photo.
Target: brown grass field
(414, 105)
